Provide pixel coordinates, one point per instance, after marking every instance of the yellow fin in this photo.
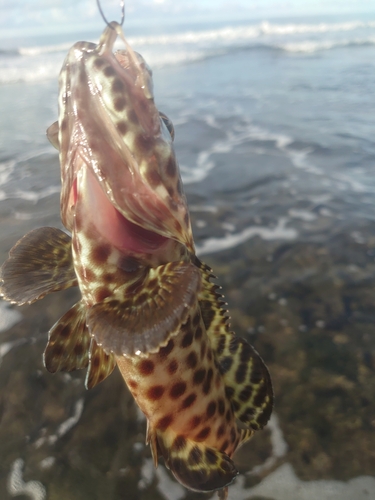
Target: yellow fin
(39, 263)
(142, 321)
(195, 465)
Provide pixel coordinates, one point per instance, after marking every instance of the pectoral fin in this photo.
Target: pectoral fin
(39, 263)
(53, 135)
(195, 465)
(143, 321)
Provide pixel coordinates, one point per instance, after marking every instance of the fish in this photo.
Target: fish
(148, 304)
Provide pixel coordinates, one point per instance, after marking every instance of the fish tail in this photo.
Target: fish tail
(195, 465)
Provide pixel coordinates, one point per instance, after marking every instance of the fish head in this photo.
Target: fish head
(118, 166)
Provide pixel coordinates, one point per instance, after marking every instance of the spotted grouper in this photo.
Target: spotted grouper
(148, 304)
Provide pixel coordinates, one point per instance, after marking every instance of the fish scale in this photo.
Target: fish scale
(148, 304)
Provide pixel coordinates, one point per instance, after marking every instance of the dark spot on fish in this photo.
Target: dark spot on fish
(128, 264)
(235, 405)
(88, 274)
(203, 434)
(226, 466)
(199, 376)
(122, 127)
(164, 422)
(256, 376)
(245, 353)
(221, 406)
(263, 418)
(118, 85)
(229, 392)
(78, 349)
(192, 360)
(226, 364)
(220, 432)
(58, 349)
(241, 372)
(109, 71)
(132, 384)
(140, 299)
(194, 422)
(246, 393)
(225, 445)
(196, 320)
(107, 277)
(210, 456)
(153, 177)
(155, 392)
(203, 349)
(119, 103)
(179, 443)
(95, 362)
(220, 345)
(65, 331)
(100, 254)
(228, 415)
(177, 390)
(209, 354)
(188, 401)
(164, 351)
(144, 143)
(132, 117)
(146, 367)
(102, 293)
(261, 395)
(99, 62)
(208, 313)
(211, 409)
(170, 167)
(172, 367)
(207, 382)
(233, 434)
(195, 455)
(198, 333)
(187, 339)
(234, 345)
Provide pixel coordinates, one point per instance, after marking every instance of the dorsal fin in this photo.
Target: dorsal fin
(248, 383)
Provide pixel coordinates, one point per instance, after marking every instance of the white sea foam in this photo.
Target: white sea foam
(279, 232)
(17, 486)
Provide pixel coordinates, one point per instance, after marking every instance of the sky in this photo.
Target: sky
(51, 15)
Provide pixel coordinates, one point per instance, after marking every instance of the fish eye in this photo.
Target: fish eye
(168, 123)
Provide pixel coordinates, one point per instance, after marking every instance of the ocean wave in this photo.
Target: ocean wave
(309, 46)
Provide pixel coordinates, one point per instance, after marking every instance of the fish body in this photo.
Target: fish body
(148, 303)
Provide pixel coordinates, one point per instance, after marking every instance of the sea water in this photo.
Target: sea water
(274, 123)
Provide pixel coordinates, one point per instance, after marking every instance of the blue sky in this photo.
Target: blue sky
(30, 15)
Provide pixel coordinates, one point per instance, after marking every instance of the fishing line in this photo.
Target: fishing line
(122, 3)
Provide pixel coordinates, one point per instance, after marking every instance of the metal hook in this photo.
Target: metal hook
(122, 3)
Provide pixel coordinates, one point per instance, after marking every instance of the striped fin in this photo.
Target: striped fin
(68, 342)
(142, 321)
(195, 465)
(101, 365)
(39, 263)
(248, 383)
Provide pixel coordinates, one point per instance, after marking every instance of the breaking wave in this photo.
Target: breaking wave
(40, 63)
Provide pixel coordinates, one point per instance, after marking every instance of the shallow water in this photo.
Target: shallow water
(277, 153)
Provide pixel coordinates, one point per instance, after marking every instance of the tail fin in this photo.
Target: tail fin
(195, 465)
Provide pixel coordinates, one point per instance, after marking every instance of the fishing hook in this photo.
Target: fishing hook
(122, 3)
